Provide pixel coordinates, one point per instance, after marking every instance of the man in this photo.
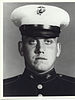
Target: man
(40, 26)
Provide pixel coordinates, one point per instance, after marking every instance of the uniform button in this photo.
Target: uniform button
(39, 86)
(40, 95)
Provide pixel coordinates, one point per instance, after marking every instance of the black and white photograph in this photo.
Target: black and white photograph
(38, 49)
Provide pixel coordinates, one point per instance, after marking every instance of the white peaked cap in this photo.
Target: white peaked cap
(40, 15)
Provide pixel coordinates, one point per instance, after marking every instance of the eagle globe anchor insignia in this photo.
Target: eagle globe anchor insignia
(40, 10)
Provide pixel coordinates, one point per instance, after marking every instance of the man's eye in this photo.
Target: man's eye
(32, 42)
(48, 41)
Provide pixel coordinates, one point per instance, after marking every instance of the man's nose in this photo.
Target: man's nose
(40, 48)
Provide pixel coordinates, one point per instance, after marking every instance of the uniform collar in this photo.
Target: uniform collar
(40, 78)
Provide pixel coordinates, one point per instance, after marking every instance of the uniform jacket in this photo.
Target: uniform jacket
(29, 84)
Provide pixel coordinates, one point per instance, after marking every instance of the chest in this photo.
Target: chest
(52, 87)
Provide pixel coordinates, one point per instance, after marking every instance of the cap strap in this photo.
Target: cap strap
(39, 31)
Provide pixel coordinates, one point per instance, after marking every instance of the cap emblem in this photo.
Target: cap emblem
(40, 10)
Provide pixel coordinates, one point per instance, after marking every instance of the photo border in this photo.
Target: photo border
(1, 54)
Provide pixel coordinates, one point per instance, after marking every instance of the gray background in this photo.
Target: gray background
(13, 63)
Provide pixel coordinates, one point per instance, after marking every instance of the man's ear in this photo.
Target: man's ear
(20, 48)
(58, 49)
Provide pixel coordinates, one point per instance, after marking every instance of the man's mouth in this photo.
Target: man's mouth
(40, 58)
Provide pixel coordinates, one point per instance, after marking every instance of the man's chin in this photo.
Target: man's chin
(40, 71)
(37, 71)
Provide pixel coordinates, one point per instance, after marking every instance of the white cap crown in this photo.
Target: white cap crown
(40, 15)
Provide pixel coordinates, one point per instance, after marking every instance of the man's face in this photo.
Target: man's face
(40, 53)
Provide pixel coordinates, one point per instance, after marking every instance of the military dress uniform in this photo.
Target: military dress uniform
(31, 20)
(29, 84)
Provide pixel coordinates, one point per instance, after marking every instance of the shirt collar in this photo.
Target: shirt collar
(40, 78)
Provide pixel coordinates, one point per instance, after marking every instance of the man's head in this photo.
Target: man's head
(40, 26)
(39, 53)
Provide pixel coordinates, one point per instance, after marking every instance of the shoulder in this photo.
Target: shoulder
(11, 80)
(66, 78)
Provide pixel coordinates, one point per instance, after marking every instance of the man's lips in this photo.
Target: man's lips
(40, 58)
